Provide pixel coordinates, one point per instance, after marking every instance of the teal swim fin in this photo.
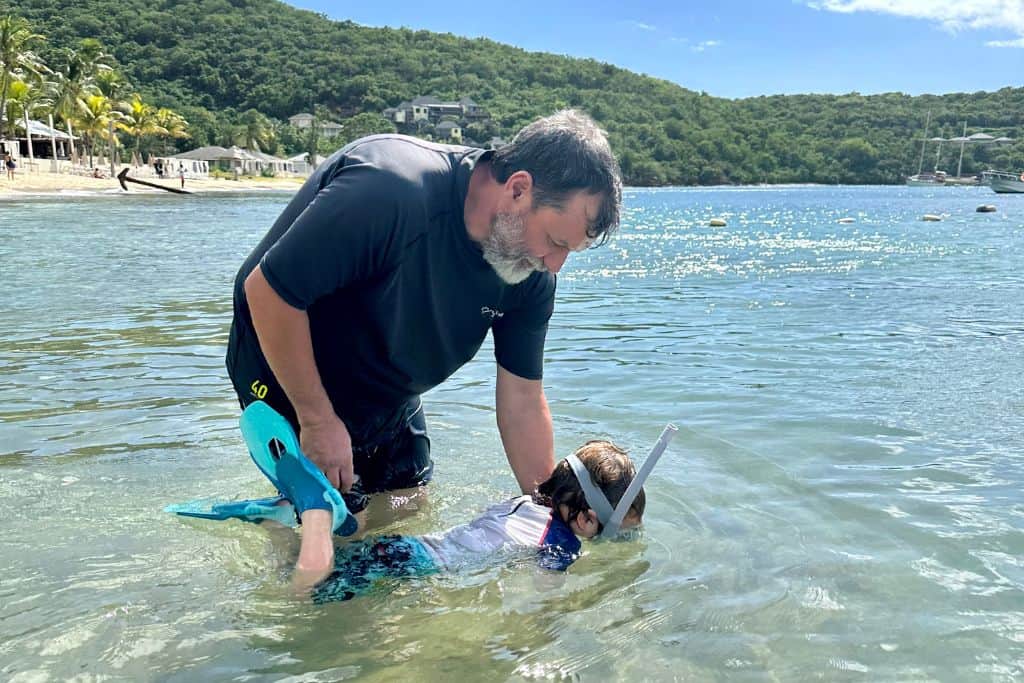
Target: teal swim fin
(274, 448)
(276, 508)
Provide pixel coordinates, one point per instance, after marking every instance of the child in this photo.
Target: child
(596, 490)
(548, 521)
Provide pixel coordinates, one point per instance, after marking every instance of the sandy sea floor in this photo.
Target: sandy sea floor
(53, 183)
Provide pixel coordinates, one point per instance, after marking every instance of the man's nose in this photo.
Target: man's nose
(554, 260)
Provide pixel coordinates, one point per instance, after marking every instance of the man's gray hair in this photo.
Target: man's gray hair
(565, 153)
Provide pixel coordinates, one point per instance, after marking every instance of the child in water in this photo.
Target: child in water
(595, 490)
(550, 521)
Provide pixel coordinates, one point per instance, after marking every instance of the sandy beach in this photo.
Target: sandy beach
(58, 183)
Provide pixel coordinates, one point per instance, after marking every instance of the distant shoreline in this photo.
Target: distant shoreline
(27, 185)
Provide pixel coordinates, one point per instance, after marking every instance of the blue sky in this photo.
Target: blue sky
(732, 48)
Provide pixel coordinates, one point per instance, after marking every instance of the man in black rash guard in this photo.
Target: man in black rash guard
(386, 271)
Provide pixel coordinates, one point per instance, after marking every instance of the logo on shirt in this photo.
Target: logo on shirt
(490, 313)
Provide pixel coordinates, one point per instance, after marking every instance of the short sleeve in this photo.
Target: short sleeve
(348, 231)
(519, 334)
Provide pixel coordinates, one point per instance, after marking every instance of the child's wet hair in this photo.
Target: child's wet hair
(609, 467)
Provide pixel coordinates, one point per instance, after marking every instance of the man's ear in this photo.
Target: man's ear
(520, 184)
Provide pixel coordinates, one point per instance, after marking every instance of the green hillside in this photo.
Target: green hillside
(213, 59)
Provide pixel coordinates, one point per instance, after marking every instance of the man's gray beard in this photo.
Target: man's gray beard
(505, 249)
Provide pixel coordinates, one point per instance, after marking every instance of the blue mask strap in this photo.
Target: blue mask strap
(594, 495)
(611, 527)
(598, 502)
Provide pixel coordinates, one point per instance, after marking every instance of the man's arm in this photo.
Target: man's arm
(524, 422)
(285, 339)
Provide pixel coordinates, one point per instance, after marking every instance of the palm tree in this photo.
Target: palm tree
(112, 85)
(255, 131)
(16, 56)
(95, 119)
(139, 119)
(76, 80)
(30, 98)
(173, 123)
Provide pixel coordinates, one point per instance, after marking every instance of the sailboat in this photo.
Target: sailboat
(926, 179)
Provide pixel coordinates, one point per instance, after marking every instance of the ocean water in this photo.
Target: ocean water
(843, 501)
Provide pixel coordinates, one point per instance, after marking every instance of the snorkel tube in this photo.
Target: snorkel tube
(612, 518)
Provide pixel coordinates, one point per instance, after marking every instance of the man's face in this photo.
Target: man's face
(505, 249)
(522, 242)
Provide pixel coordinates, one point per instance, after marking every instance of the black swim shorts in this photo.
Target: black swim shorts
(390, 450)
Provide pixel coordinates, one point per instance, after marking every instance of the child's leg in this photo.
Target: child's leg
(359, 565)
(316, 554)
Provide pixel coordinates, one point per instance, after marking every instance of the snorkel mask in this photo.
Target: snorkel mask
(612, 519)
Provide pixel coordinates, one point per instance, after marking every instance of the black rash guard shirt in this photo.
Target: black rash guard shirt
(374, 247)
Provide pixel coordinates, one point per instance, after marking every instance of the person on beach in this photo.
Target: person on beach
(548, 522)
(10, 165)
(386, 271)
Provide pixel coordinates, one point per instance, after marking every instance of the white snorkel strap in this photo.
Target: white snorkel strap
(612, 519)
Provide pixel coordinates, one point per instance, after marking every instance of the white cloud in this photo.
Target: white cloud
(639, 25)
(952, 15)
(1006, 43)
(705, 44)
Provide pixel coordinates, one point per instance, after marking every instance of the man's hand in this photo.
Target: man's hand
(284, 336)
(326, 441)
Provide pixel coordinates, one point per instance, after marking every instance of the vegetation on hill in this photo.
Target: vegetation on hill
(227, 65)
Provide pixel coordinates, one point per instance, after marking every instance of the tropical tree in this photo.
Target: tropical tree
(256, 131)
(172, 124)
(17, 59)
(95, 119)
(361, 125)
(32, 98)
(76, 80)
(113, 85)
(16, 93)
(139, 120)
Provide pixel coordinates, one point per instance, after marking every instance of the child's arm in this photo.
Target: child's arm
(316, 554)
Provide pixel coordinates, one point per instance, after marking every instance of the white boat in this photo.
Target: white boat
(1004, 182)
(933, 178)
(937, 177)
(927, 179)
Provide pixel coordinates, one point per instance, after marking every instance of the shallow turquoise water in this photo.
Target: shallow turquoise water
(843, 500)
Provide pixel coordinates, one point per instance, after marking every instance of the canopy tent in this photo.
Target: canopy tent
(38, 129)
(214, 153)
(241, 160)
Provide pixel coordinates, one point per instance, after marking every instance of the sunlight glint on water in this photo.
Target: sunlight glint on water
(843, 499)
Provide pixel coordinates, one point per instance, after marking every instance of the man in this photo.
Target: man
(386, 271)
